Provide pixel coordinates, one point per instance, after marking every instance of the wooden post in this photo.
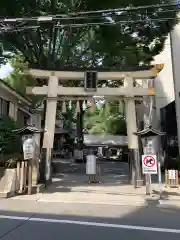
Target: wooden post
(22, 177)
(18, 176)
(177, 179)
(25, 175)
(166, 178)
(30, 177)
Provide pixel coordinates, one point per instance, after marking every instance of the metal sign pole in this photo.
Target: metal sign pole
(148, 184)
(148, 178)
(149, 168)
(159, 177)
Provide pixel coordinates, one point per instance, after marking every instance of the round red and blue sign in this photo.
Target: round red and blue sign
(149, 161)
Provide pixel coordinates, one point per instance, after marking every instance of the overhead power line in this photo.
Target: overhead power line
(47, 18)
(58, 24)
(75, 19)
(93, 24)
(129, 8)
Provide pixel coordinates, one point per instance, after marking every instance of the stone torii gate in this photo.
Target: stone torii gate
(128, 92)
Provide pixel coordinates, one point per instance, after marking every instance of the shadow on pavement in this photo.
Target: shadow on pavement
(72, 177)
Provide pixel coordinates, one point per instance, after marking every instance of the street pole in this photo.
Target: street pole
(148, 184)
(159, 177)
(148, 176)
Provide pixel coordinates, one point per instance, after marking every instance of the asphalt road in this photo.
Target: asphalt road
(21, 219)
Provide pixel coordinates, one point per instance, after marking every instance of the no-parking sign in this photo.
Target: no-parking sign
(149, 164)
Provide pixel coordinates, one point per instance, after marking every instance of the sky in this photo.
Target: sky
(5, 70)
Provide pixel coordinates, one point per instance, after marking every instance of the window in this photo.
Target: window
(23, 118)
(4, 107)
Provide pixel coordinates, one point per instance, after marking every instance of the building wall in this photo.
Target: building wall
(175, 40)
(168, 82)
(12, 104)
(164, 84)
(149, 111)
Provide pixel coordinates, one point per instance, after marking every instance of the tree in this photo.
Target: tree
(128, 43)
(107, 120)
(137, 39)
(18, 80)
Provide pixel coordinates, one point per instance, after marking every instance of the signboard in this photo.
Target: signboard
(149, 164)
(91, 165)
(28, 148)
(172, 174)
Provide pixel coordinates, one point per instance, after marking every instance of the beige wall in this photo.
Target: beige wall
(15, 102)
(175, 39)
(164, 82)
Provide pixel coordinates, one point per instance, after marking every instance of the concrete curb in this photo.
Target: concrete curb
(146, 201)
(120, 203)
(170, 202)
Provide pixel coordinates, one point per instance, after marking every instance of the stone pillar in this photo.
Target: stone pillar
(132, 128)
(50, 121)
(35, 165)
(36, 121)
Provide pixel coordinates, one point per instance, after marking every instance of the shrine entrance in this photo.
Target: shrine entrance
(128, 93)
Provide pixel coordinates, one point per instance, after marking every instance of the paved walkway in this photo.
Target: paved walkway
(103, 194)
(71, 186)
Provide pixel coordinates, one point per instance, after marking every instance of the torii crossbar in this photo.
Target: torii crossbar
(128, 91)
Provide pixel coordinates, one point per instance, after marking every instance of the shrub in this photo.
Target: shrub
(10, 142)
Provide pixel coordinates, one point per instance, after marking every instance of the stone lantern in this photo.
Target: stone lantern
(31, 150)
(149, 136)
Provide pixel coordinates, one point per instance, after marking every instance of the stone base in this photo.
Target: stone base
(139, 183)
(38, 188)
(48, 182)
(8, 182)
(7, 194)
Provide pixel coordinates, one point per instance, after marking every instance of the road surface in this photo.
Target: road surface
(30, 220)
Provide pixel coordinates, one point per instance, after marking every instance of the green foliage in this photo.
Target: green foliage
(115, 45)
(132, 43)
(18, 80)
(10, 142)
(107, 120)
(69, 117)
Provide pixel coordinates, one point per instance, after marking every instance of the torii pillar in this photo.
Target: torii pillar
(131, 121)
(50, 122)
